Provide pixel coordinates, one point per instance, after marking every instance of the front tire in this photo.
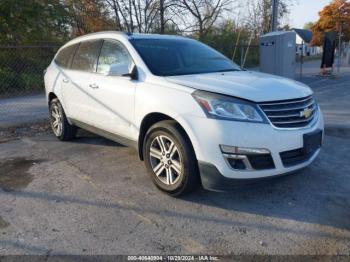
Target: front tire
(170, 158)
(59, 123)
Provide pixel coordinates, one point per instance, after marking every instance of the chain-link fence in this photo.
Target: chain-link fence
(310, 65)
(22, 97)
(21, 82)
(21, 69)
(246, 56)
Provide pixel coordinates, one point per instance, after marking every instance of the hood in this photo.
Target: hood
(254, 86)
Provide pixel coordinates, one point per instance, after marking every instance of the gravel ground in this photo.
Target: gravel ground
(93, 196)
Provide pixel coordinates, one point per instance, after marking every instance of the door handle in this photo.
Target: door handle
(93, 86)
(65, 80)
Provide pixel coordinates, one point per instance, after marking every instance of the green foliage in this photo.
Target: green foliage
(9, 81)
(24, 21)
(44, 21)
(32, 81)
(224, 39)
(13, 84)
(21, 69)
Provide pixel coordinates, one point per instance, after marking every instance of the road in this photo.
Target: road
(22, 110)
(333, 96)
(93, 196)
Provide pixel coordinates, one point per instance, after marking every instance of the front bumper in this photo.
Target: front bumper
(213, 180)
(208, 134)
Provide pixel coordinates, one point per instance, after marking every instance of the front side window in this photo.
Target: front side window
(113, 54)
(86, 56)
(64, 57)
(168, 57)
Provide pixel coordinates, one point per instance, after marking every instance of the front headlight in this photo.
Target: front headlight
(228, 108)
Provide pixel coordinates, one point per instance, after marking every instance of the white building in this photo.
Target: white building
(303, 41)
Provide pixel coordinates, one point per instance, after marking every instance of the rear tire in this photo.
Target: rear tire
(59, 123)
(170, 158)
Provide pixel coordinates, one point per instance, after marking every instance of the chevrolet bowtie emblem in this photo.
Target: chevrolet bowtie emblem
(306, 113)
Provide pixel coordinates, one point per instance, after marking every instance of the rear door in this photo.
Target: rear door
(114, 94)
(77, 90)
(63, 60)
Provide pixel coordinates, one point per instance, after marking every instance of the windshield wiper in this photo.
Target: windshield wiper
(227, 70)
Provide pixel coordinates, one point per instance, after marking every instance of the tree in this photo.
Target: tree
(204, 12)
(88, 16)
(33, 21)
(144, 16)
(134, 15)
(167, 11)
(332, 15)
(260, 13)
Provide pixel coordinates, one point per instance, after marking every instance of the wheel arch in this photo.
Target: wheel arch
(151, 119)
(51, 96)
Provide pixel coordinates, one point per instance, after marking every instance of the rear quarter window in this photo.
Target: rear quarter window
(85, 59)
(65, 56)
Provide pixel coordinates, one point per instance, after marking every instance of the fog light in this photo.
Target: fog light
(243, 158)
(243, 150)
(236, 163)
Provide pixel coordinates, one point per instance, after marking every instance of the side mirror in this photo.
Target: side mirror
(119, 69)
(123, 70)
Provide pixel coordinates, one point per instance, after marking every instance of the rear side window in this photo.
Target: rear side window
(64, 57)
(86, 56)
(112, 54)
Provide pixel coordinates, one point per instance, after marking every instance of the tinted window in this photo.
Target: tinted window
(85, 58)
(166, 57)
(112, 53)
(64, 57)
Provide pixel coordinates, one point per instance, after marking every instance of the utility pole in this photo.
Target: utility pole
(274, 20)
(340, 36)
(339, 47)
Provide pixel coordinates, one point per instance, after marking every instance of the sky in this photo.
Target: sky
(304, 11)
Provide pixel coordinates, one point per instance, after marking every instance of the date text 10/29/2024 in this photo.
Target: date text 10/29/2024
(174, 258)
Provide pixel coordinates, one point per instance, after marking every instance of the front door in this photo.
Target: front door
(114, 94)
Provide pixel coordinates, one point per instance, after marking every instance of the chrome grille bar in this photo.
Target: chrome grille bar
(283, 103)
(293, 113)
(290, 108)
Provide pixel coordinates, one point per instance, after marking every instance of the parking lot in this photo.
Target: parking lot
(93, 196)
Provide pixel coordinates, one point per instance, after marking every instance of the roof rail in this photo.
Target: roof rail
(103, 32)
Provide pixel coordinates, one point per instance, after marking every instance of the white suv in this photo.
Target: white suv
(193, 115)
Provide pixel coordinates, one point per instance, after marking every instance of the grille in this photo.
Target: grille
(294, 113)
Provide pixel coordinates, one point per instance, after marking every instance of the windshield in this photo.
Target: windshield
(170, 57)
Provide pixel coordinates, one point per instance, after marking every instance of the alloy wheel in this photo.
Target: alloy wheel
(57, 120)
(166, 160)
